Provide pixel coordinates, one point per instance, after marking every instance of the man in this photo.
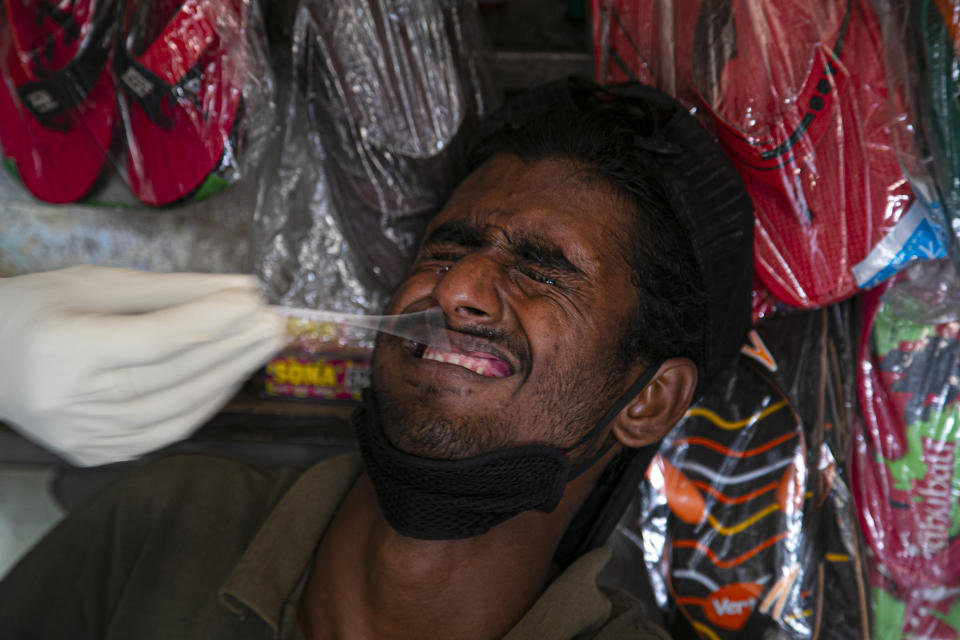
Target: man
(594, 263)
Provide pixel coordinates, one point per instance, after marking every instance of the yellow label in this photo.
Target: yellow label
(291, 371)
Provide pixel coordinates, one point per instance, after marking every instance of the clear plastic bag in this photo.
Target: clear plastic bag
(177, 97)
(650, 41)
(905, 468)
(797, 93)
(744, 521)
(799, 98)
(923, 42)
(383, 93)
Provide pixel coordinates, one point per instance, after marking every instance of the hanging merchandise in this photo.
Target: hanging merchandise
(384, 92)
(322, 361)
(905, 470)
(650, 41)
(744, 521)
(931, 74)
(799, 100)
(57, 107)
(178, 95)
(189, 76)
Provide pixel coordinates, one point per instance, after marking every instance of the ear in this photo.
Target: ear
(660, 405)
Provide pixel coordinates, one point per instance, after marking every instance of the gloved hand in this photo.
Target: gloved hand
(101, 364)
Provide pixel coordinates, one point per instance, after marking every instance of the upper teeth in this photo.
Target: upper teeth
(477, 365)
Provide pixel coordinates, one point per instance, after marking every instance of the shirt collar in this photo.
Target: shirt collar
(572, 604)
(271, 571)
(273, 564)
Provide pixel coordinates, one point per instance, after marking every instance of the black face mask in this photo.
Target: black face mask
(433, 499)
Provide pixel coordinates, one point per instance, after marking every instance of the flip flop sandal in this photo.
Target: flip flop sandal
(811, 358)
(181, 69)
(383, 246)
(744, 506)
(905, 470)
(391, 141)
(57, 107)
(807, 121)
(734, 475)
(646, 40)
(624, 41)
(931, 614)
(940, 45)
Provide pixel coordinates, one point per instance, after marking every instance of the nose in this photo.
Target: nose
(471, 290)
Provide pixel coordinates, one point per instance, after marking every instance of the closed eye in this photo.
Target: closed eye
(442, 256)
(535, 272)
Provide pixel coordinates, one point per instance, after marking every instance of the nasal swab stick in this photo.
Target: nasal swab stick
(426, 327)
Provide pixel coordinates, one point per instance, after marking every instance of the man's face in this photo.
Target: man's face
(526, 263)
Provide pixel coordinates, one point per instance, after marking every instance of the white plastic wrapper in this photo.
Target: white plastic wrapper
(384, 93)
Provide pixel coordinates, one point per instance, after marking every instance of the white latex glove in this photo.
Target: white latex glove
(101, 364)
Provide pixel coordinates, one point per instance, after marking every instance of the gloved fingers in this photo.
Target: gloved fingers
(131, 340)
(120, 291)
(224, 362)
(125, 413)
(96, 442)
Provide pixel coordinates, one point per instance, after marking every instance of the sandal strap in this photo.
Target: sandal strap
(51, 95)
(167, 63)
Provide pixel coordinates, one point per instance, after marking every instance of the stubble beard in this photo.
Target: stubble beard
(565, 408)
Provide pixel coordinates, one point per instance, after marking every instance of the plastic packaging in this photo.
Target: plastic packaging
(800, 101)
(923, 45)
(798, 96)
(383, 94)
(177, 96)
(196, 95)
(906, 472)
(57, 95)
(647, 40)
(926, 293)
(323, 360)
(744, 521)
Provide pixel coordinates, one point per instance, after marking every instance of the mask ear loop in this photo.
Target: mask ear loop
(638, 385)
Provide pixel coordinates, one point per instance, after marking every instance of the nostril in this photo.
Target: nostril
(472, 311)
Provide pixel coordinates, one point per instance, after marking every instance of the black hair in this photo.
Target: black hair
(616, 136)
(616, 140)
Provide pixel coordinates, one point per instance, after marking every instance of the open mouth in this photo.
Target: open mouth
(479, 362)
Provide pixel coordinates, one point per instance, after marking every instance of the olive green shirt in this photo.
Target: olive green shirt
(195, 547)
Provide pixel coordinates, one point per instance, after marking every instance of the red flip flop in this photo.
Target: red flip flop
(648, 41)
(57, 105)
(181, 67)
(802, 108)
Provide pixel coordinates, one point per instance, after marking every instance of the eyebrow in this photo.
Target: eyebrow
(544, 253)
(522, 244)
(456, 232)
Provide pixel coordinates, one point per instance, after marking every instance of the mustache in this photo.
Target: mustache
(513, 344)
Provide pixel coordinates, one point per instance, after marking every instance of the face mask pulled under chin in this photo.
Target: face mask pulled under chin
(431, 499)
